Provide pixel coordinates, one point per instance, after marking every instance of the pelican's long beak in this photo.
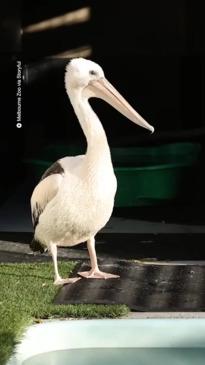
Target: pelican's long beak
(103, 89)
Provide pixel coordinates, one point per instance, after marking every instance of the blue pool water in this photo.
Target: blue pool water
(122, 356)
(113, 342)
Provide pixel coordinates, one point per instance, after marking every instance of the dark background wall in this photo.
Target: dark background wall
(153, 52)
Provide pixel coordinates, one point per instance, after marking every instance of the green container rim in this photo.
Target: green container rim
(124, 169)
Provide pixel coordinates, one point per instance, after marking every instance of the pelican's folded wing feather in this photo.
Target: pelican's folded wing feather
(46, 190)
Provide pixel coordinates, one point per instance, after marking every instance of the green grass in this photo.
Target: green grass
(26, 296)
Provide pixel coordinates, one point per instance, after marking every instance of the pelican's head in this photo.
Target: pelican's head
(80, 72)
(87, 78)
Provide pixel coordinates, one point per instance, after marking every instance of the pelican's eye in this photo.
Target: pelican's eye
(93, 73)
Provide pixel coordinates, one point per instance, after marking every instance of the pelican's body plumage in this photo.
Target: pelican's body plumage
(82, 205)
(75, 196)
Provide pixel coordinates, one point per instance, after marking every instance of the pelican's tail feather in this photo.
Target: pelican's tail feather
(36, 245)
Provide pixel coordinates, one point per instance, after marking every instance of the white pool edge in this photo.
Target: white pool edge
(63, 334)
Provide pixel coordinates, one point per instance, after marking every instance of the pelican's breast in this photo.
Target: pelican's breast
(86, 204)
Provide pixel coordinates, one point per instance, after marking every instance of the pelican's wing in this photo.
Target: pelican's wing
(46, 190)
(71, 163)
(55, 168)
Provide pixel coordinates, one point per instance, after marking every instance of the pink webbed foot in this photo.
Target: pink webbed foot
(60, 281)
(97, 274)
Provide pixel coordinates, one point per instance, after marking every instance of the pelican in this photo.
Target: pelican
(75, 196)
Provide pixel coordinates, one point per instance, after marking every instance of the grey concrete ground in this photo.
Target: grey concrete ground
(20, 252)
(177, 315)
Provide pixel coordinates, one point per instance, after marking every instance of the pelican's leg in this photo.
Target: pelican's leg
(95, 271)
(57, 279)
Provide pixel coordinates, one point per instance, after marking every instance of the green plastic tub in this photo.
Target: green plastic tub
(146, 175)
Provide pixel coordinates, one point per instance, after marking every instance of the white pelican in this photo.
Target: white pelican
(74, 198)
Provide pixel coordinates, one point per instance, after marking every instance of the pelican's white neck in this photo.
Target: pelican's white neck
(91, 125)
